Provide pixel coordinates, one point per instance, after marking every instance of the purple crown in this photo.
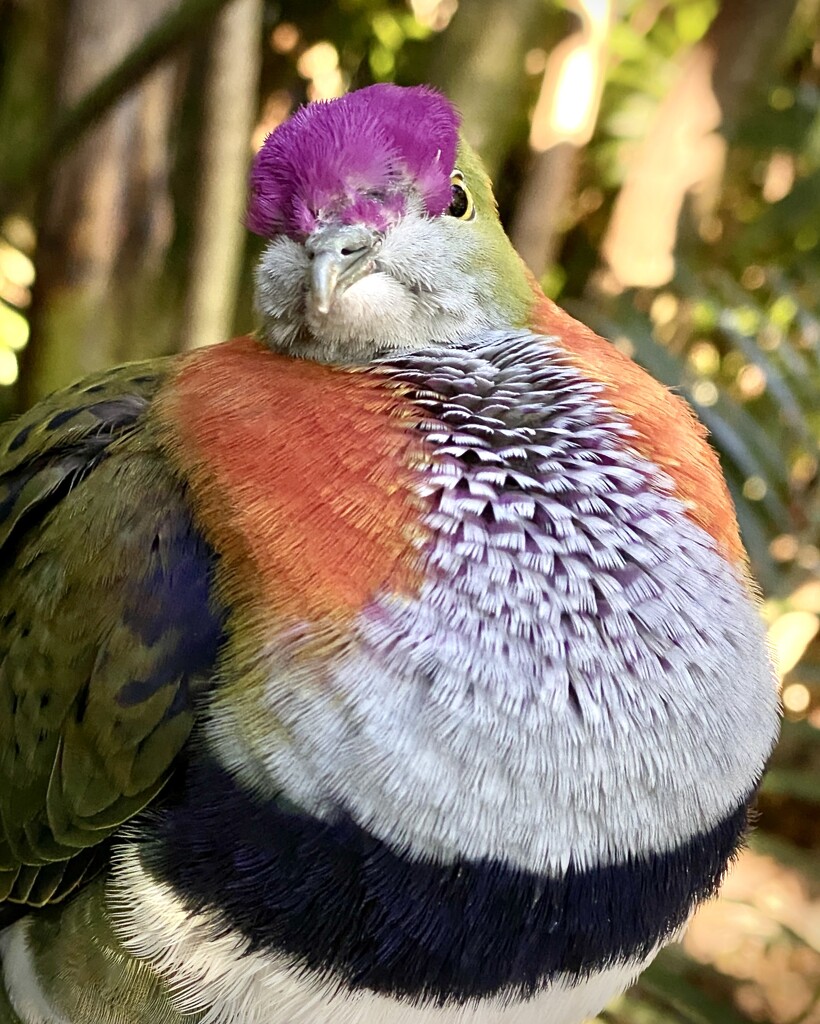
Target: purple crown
(351, 159)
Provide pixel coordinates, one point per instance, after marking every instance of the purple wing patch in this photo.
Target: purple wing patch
(353, 159)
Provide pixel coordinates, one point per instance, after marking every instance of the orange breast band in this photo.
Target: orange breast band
(301, 475)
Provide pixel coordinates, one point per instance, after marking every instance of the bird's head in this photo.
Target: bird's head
(383, 234)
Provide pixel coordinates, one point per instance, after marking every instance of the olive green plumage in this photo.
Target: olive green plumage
(77, 940)
(76, 759)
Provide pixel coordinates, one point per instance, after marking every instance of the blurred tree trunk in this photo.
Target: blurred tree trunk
(32, 36)
(27, 155)
(105, 219)
(231, 101)
(562, 124)
(539, 221)
(31, 50)
(685, 150)
(480, 66)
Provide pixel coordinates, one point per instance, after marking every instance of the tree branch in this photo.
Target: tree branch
(28, 167)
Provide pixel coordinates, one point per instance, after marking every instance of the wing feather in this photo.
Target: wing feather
(108, 624)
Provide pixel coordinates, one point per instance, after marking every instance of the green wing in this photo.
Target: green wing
(107, 623)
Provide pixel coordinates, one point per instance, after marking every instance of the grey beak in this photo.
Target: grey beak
(340, 254)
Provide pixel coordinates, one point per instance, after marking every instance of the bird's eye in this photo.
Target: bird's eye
(461, 205)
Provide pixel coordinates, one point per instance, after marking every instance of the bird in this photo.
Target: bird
(399, 663)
